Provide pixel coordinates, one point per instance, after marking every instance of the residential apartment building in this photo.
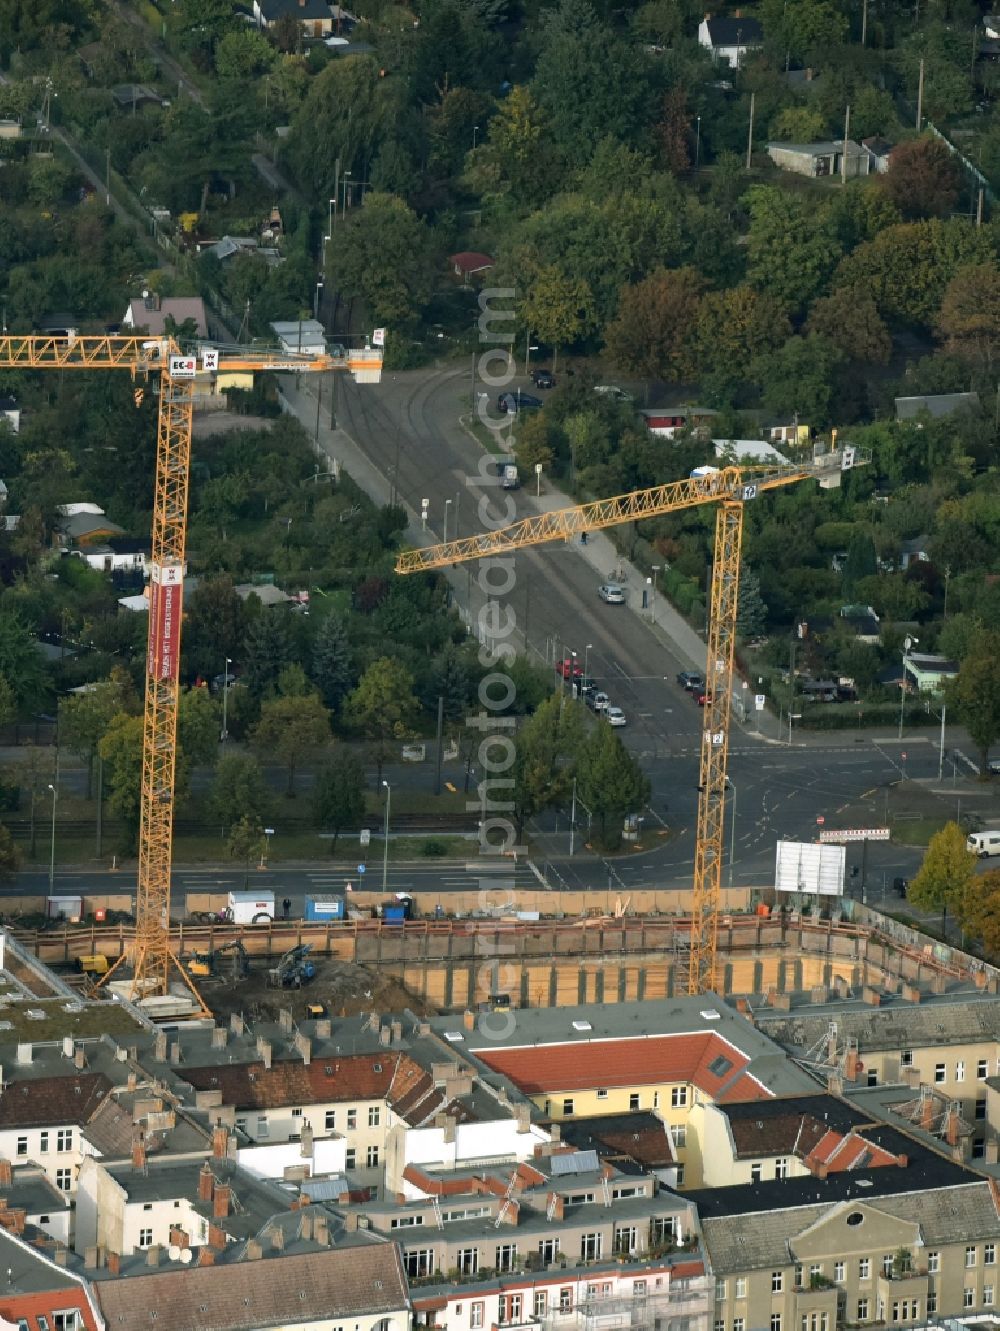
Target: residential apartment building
(39, 1293)
(664, 1057)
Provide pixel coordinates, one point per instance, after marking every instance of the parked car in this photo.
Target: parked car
(690, 680)
(512, 403)
(543, 378)
(900, 886)
(993, 767)
(615, 716)
(586, 686)
(569, 668)
(704, 699)
(613, 391)
(612, 593)
(599, 701)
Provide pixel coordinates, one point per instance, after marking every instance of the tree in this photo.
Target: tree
(239, 790)
(85, 717)
(861, 561)
(792, 247)
(799, 378)
(291, 730)
(849, 320)
(650, 335)
(946, 875)
(198, 727)
(514, 159)
(339, 795)
(803, 29)
(449, 680)
(751, 612)
(331, 661)
(923, 179)
(243, 55)
(22, 664)
(559, 308)
(214, 627)
(246, 842)
(731, 328)
(610, 783)
(546, 748)
(10, 856)
(267, 649)
(674, 131)
(798, 124)
(976, 695)
(382, 707)
(121, 752)
(383, 255)
(969, 318)
(982, 915)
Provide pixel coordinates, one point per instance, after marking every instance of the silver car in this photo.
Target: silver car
(615, 716)
(612, 593)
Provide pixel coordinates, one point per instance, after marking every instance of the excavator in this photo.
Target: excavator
(294, 969)
(231, 957)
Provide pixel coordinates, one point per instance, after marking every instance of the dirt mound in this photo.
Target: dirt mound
(344, 987)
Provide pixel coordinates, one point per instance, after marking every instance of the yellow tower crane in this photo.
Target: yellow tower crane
(731, 488)
(151, 956)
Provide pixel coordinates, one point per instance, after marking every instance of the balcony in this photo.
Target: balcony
(905, 1285)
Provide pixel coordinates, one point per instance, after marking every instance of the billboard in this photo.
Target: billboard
(808, 866)
(166, 597)
(183, 367)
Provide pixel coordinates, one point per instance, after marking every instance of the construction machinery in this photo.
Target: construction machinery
(231, 957)
(294, 969)
(174, 373)
(731, 489)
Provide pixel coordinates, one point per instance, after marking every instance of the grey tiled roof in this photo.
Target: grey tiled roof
(947, 1215)
(890, 1027)
(751, 1243)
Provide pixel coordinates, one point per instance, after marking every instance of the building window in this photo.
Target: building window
(815, 1271)
(548, 1250)
(350, 1158)
(296, 1113)
(960, 1070)
(797, 1276)
(873, 1076)
(509, 1308)
(741, 1287)
(980, 1110)
(468, 1261)
(781, 1169)
(602, 1093)
(64, 1139)
(987, 1296)
(43, 1141)
(906, 1058)
(625, 1240)
(862, 1310)
(939, 1073)
(371, 1158)
(565, 1300)
(989, 1254)
(719, 1324)
(64, 1179)
(739, 1324)
(678, 1134)
(145, 1238)
(777, 1282)
(679, 1097)
(982, 1069)
(656, 1099)
(66, 1321)
(262, 1128)
(756, 1171)
(970, 1255)
(352, 1119)
(839, 1271)
(506, 1256)
(241, 1125)
(22, 1146)
(720, 1291)
(476, 1312)
(931, 1303)
(541, 1302)
(330, 1120)
(591, 1246)
(864, 1268)
(374, 1115)
(968, 1297)
(776, 1322)
(567, 1107)
(633, 1100)
(933, 1263)
(419, 1262)
(680, 1176)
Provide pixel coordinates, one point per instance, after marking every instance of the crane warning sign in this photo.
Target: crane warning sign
(183, 367)
(166, 593)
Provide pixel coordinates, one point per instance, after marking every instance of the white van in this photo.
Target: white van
(984, 843)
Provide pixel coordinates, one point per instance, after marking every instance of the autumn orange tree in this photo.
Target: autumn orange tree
(982, 912)
(650, 335)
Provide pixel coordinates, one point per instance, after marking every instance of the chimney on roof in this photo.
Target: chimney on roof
(397, 1031)
(323, 1028)
(206, 1183)
(79, 1058)
(160, 1046)
(264, 1049)
(216, 1237)
(219, 1037)
(321, 1231)
(303, 1045)
(278, 1239)
(153, 1255)
(305, 1222)
(114, 1262)
(254, 1251)
(59, 1256)
(175, 1052)
(132, 1082)
(851, 1062)
(285, 1021)
(555, 1132)
(469, 1019)
(926, 1110)
(24, 1053)
(951, 1125)
(351, 1221)
(236, 1023)
(206, 1257)
(306, 1143)
(384, 1036)
(522, 1117)
(6, 1174)
(179, 1238)
(220, 1143)
(220, 1202)
(139, 1152)
(92, 1258)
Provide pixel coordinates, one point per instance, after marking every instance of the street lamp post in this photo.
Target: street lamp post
(475, 136)
(529, 347)
(319, 288)
(52, 850)
(656, 574)
(447, 506)
(907, 644)
(732, 827)
(586, 658)
(225, 700)
(697, 142)
(385, 848)
(572, 822)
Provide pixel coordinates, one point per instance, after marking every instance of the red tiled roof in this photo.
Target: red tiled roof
(471, 261)
(656, 1060)
(50, 1101)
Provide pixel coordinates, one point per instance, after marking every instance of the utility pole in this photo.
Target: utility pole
(440, 745)
(979, 209)
(864, 22)
(920, 95)
(572, 821)
(107, 185)
(847, 135)
(750, 134)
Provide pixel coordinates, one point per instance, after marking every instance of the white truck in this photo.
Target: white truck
(250, 907)
(508, 476)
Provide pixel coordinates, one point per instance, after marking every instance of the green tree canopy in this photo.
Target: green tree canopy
(792, 248)
(382, 708)
(650, 335)
(547, 746)
(339, 795)
(291, 729)
(943, 880)
(610, 783)
(976, 695)
(384, 255)
(239, 790)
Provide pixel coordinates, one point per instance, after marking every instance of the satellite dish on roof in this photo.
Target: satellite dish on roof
(174, 1251)
(186, 1255)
